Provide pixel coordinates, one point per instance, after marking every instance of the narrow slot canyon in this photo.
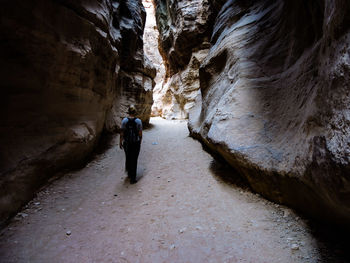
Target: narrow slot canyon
(245, 155)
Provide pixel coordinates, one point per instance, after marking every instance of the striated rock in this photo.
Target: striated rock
(275, 101)
(68, 69)
(150, 36)
(151, 50)
(273, 93)
(135, 82)
(184, 28)
(177, 96)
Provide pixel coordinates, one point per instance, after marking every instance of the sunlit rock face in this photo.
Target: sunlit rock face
(69, 69)
(275, 100)
(184, 28)
(274, 93)
(150, 37)
(178, 93)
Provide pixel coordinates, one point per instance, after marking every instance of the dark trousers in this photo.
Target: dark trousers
(131, 154)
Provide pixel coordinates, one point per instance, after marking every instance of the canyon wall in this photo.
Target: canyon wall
(69, 70)
(184, 28)
(274, 96)
(150, 37)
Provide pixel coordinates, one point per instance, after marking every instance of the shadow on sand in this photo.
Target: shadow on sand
(225, 173)
(333, 242)
(139, 176)
(148, 126)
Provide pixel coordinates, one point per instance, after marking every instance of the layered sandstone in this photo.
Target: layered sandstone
(69, 69)
(177, 95)
(184, 28)
(274, 99)
(150, 37)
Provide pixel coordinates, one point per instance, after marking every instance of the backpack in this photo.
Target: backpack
(131, 134)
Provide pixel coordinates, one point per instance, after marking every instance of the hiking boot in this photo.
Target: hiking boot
(133, 181)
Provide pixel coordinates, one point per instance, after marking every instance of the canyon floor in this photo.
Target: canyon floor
(181, 210)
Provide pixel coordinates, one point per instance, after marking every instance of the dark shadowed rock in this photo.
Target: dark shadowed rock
(63, 66)
(182, 26)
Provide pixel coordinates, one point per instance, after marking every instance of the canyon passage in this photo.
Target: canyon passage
(179, 211)
(261, 85)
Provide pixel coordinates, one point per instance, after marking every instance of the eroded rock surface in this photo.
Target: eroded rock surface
(150, 37)
(69, 69)
(178, 94)
(184, 28)
(275, 98)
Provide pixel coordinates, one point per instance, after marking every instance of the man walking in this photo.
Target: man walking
(130, 140)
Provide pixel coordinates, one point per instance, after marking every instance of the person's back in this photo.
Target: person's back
(131, 132)
(130, 141)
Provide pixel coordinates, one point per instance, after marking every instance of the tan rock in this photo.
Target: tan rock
(178, 94)
(183, 45)
(150, 36)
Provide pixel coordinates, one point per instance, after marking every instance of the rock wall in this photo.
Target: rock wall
(150, 47)
(184, 28)
(69, 69)
(177, 95)
(275, 100)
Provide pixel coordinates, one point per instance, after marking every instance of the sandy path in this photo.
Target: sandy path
(179, 211)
